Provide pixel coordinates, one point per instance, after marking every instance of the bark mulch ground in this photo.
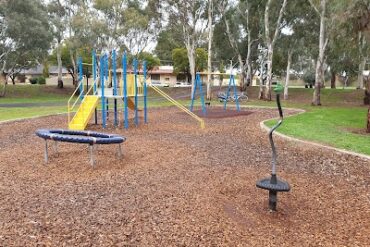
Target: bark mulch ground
(218, 112)
(178, 186)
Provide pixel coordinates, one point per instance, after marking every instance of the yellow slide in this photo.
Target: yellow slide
(84, 113)
(131, 104)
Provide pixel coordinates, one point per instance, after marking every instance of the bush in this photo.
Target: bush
(309, 78)
(41, 80)
(33, 80)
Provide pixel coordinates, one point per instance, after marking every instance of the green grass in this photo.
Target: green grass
(27, 112)
(331, 126)
(34, 94)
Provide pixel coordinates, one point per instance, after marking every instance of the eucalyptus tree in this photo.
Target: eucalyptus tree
(24, 35)
(189, 15)
(271, 36)
(240, 22)
(320, 6)
(299, 39)
(129, 25)
(58, 20)
(354, 18)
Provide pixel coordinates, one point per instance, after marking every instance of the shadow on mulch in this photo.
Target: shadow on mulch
(221, 113)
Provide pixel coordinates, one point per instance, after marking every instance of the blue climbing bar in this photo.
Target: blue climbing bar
(136, 99)
(124, 66)
(145, 94)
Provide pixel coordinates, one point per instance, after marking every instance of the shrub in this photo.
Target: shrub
(33, 80)
(41, 80)
(309, 78)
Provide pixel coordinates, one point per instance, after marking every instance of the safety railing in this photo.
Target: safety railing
(180, 106)
(71, 108)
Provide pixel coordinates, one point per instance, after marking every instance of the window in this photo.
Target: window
(167, 79)
(156, 77)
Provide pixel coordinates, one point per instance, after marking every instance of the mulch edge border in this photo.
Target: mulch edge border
(293, 139)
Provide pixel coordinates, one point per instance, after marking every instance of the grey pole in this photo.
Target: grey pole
(120, 153)
(46, 151)
(92, 162)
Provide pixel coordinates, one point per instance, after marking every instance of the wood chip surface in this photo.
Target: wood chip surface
(178, 185)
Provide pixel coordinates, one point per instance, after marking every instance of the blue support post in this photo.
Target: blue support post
(228, 92)
(102, 69)
(236, 97)
(94, 70)
(198, 82)
(124, 67)
(136, 100)
(145, 95)
(80, 78)
(114, 65)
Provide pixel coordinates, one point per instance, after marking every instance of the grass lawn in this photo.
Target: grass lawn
(27, 112)
(338, 127)
(340, 122)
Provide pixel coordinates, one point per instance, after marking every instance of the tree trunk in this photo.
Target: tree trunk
(260, 93)
(270, 54)
(60, 72)
(287, 77)
(210, 37)
(368, 121)
(367, 94)
(3, 80)
(242, 73)
(318, 75)
(361, 68)
(271, 43)
(333, 79)
(191, 56)
(75, 75)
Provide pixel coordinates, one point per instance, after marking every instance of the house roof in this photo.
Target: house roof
(39, 69)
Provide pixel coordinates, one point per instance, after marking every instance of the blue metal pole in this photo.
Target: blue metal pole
(145, 95)
(114, 73)
(228, 92)
(80, 78)
(193, 94)
(114, 64)
(236, 97)
(201, 94)
(102, 68)
(94, 70)
(124, 67)
(136, 101)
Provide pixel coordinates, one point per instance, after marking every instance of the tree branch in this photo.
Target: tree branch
(314, 7)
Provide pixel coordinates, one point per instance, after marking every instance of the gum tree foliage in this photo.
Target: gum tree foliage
(189, 15)
(240, 24)
(131, 25)
(24, 35)
(167, 40)
(181, 61)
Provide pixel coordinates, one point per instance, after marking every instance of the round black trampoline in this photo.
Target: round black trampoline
(80, 137)
(88, 137)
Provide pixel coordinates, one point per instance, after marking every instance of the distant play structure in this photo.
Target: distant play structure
(126, 87)
(225, 97)
(81, 137)
(109, 84)
(273, 184)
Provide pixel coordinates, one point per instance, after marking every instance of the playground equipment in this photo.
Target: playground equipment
(273, 184)
(223, 97)
(105, 87)
(180, 106)
(226, 97)
(82, 137)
